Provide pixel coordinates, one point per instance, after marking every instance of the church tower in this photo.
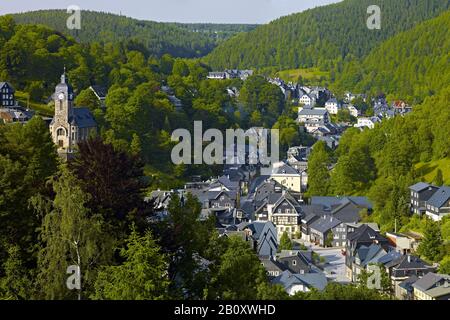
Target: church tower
(60, 126)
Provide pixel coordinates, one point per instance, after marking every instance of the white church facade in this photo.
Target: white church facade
(70, 125)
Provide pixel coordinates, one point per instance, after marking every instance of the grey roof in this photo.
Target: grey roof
(366, 234)
(311, 280)
(325, 223)
(2, 84)
(408, 262)
(429, 280)
(420, 186)
(334, 201)
(100, 91)
(387, 258)
(284, 169)
(256, 228)
(408, 283)
(440, 197)
(83, 118)
(332, 100)
(313, 112)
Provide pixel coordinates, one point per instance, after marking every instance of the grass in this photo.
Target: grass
(40, 108)
(429, 170)
(309, 74)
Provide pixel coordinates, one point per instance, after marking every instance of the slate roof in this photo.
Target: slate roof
(310, 280)
(2, 84)
(284, 169)
(407, 262)
(438, 292)
(408, 283)
(420, 186)
(429, 280)
(313, 112)
(82, 118)
(366, 234)
(440, 197)
(333, 201)
(325, 223)
(100, 91)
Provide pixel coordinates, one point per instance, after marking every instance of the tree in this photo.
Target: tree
(431, 245)
(329, 239)
(87, 98)
(318, 170)
(231, 283)
(444, 265)
(113, 179)
(71, 236)
(16, 283)
(142, 276)
(439, 179)
(285, 242)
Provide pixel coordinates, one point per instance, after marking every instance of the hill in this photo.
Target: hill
(320, 36)
(412, 65)
(179, 40)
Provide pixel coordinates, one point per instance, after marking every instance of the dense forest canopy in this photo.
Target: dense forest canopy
(319, 36)
(411, 65)
(179, 40)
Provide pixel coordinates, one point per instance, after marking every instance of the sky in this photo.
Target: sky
(214, 11)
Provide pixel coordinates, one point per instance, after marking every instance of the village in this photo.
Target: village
(303, 243)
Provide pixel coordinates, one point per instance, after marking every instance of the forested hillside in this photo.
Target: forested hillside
(412, 65)
(180, 40)
(320, 36)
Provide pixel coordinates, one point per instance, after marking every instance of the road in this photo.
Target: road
(335, 262)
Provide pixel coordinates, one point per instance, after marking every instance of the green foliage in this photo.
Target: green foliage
(71, 235)
(336, 291)
(142, 276)
(318, 170)
(231, 283)
(322, 36)
(439, 179)
(444, 265)
(431, 245)
(87, 98)
(410, 66)
(285, 242)
(181, 40)
(16, 283)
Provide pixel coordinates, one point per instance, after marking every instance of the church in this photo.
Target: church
(70, 125)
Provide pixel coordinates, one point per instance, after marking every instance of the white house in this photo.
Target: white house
(308, 100)
(367, 122)
(313, 118)
(287, 176)
(332, 106)
(353, 111)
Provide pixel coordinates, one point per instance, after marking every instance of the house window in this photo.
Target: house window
(294, 262)
(60, 132)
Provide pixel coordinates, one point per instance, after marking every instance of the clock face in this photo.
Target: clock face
(61, 96)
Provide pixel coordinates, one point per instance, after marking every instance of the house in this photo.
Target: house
(401, 107)
(363, 236)
(438, 206)
(262, 237)
(405, 289)
(285, 213)
(341, 232)
(353, 111)
(320, 230)
(294, 283)
(100, 92)
(297, 157)
(308, 100)
(70, 124)
(367, 122)
(402, 243)
(230, 74)
(332, 106)
(217, 75)
(365, 256)
(273, 267)
(297, 262)
(15, 115)
(420, 193)
(313, 118)
(7, 98)
(432, 286)
(404, 267)
(287, 176)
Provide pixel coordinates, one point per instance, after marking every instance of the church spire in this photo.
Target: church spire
(63, 76)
